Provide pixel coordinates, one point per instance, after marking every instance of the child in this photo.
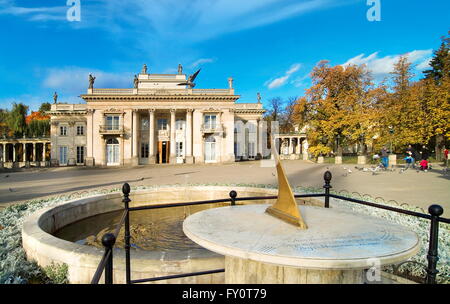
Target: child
(409, 162)
(424, 165)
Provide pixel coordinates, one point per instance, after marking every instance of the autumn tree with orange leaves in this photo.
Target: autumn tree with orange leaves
(339, 108)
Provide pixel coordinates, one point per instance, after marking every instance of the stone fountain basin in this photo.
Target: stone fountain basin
(42, 246)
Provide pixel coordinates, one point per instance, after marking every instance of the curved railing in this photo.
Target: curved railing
(109, 239)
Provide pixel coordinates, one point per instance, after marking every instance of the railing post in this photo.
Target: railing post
(108, 241)
(233, 195)
(327, 177)
(432, 257)
(126, 200)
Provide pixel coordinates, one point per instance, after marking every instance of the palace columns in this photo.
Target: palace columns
(14, 153)
(134, 158)
(197, 148)
(4, 153)
(189, 158)
(44, 151)
(24, 159)
(34, 152)
(291, 145)
(151, 136)
(172, 137)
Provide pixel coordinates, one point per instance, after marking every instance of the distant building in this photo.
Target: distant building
(162, 120)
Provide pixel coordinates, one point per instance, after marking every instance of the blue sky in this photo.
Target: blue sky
(267, 46)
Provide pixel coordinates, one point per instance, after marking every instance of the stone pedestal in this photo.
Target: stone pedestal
(338, 160)
(238, 271)
(362, 160)
(189, 159)
(90, 162)
(135, 161)
(320, 160)
(152, 160)
(392, 160)
(337, 246)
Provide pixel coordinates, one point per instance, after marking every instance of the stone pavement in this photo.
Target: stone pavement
(419, 189)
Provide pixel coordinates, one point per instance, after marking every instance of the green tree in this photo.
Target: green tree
(440, 64)
(45, 107)
(16, 119)
(4, 129)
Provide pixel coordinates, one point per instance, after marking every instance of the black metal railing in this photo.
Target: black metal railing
(109, 239)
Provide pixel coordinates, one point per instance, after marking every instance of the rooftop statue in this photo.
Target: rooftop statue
(55, 97)
(230, 82)
(136, 81)
(258, 96)
(190, 81)
(91, 81)
(144, 69)
(180, 69)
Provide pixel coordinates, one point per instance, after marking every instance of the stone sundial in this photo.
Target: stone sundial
(288, 243)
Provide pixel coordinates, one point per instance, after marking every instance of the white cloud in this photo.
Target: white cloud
(194, 20)
(280, 81)
(200, 61)
(8, 7)
(382, 66)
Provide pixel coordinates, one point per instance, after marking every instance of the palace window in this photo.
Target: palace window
(179, 124)
(251, 150)
(144, 123)
(162, 124)
(80, 130)
(179, 149)
(144, 150)
(112, 122)
(210, 121)
(80, 154)
(63, 155)
(63, 130)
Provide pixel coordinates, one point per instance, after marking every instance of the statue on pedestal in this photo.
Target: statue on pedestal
(258, 96)
(144, 69)
(136, 81)
(230, 82)
(55, 98)
(91, 81)
(180, 69)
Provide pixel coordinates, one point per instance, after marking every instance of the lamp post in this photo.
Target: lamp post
(391, 131)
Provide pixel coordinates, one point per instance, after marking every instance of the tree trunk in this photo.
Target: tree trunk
(439, 146)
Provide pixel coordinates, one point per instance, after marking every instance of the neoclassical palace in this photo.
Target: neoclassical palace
(163, 119)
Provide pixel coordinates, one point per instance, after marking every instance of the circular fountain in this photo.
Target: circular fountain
(71, 233)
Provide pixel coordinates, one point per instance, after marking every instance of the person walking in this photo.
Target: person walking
(384, 158)
(413, 153)
(446, 156)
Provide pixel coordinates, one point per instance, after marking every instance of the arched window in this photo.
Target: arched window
(112, 141)
(211, 139)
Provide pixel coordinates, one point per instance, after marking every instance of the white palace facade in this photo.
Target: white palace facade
(163, 119)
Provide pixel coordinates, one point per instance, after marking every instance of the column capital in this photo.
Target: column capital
(189, 110)
(173, 110)
(151, 110)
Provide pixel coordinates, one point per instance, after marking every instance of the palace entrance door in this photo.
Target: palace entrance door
(163, 152)
(112, 152)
